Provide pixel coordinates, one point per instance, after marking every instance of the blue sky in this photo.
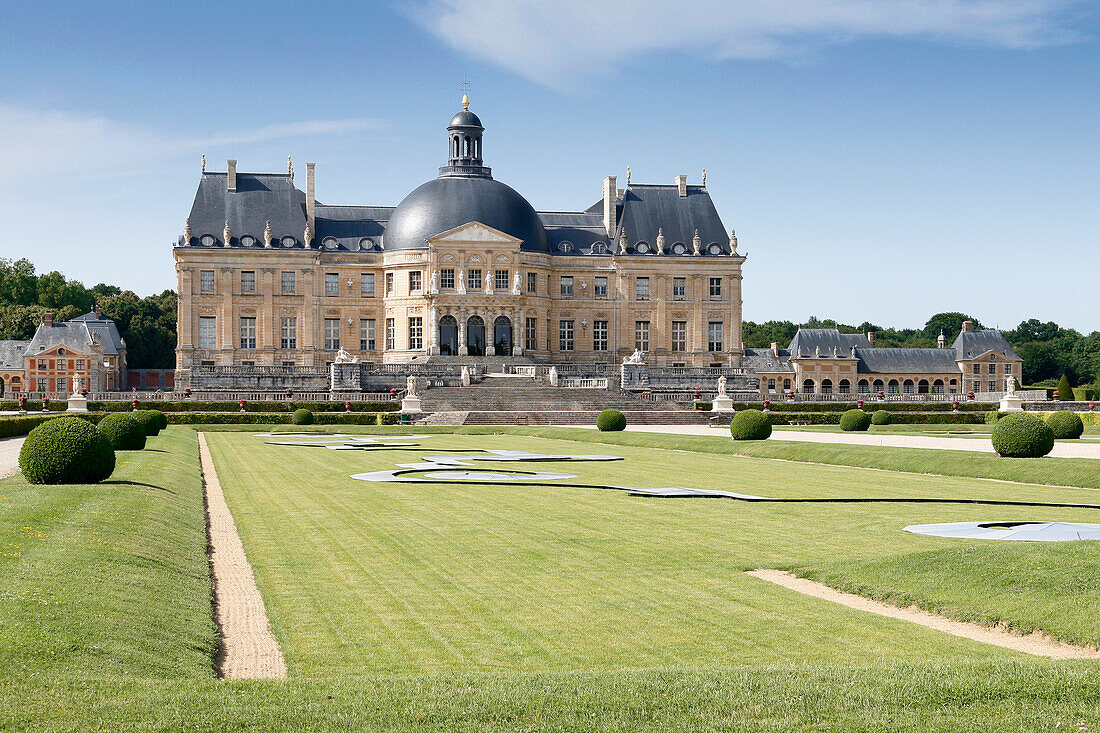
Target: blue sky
(880, 160)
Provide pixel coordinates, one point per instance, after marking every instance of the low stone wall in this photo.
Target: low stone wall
(1054, 405)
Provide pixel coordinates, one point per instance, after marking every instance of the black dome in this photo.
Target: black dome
(466, 118)
(450, 202)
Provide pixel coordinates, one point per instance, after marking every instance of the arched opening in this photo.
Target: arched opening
(502, 336)
(467, 146)
(826, 386)
(845, 386)
(475, 336)
(893, 387)
(808, 386)
(922, 386)
(448, 336)
(863, 387)
(878, 385)
(771, 384)
(786, 385)
(1, 387)
(937, 386)
(907, 386)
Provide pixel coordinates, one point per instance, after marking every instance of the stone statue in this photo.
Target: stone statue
(461, 282)
(76, 385)
(636, 358)
(343, 357)
(488, 283)
(553, 376)
(1010, 385)
(721, 386)
(516, 281)
(465, 376)
(433, 282)
(410, 386)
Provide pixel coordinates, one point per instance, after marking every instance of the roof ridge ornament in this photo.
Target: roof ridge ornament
(187, 231)
(227, 234)
(704, 176)
(307, 235)
(733, 242)
(204, 162)
(622, 241)
(660, 240)
(697, 243)
(268, 234)
(628, 175)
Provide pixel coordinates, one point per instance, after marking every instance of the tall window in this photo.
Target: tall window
(248, 281)
(600, 289)
(389, 283)
(447, 278)
(567, 286)
(332, 334)
(416, 333)
(414, 280)
(641, 288)
(366, 334)
(473, 279)
(248, 333)
(679, 335)
(532, 282)
(992, 368)
(716, 287)
(679, 288)
(80, 364)
(714, 336)
(977, 368)
(391, 334)
(641, 335)
(288, 333)
(206, 281)
(599, 335)
(531, 334)
(207, 332)
(500, 279)
(565, 335)
(366, 283)
(286, 283)
(332, 283)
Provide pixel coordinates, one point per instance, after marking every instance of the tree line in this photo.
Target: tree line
(148, 324)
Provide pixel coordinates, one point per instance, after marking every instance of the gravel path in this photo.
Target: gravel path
(9, 455)
(248, 650)
(1037, 644)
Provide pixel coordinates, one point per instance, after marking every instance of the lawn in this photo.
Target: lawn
(427, 606)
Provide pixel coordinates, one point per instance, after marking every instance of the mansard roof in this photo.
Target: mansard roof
(972, 344)
(647, 208)
(11, 354)
(765, 360)
(73, 335)
(259, 198)
(109, 336)
(808, 341)
(907, 360)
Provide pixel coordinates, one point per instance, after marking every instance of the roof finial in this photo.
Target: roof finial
(204, 162)
(227, 234)
(697, 243)
(660, 240)
(308, 234)
(733, 241)
(623, 241)
(268, 234)
(187, 232)
(289, 167)
(628, 174)
(464, 87)
(704, 176)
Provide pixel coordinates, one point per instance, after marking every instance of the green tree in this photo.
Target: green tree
(1065, 391)
(949, 323)
(18, 283)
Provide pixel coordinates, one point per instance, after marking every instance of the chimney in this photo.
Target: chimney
(47, 319)
(775, 349)
(968, 326)
(871, 338)
(231, 176)
(682, 184)
(610, 202)
(311, 198)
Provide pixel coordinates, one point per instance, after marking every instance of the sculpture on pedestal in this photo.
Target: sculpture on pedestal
(461, 283)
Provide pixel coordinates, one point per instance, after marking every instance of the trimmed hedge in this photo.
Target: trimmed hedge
(286, 406)
(1065, 425)
(252, 418)
(148, 421)
(66, 450)
(123, 430)
(855, 421)
(1022, 435)
(1065, 391)
(302, 416)
(751, 425)
(780, 405)
(161, 418)
(611, 421)
(881, 417)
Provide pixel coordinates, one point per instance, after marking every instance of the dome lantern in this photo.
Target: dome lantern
(464, 135)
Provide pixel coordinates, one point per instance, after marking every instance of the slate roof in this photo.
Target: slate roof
(259, 197)
(579, 231)
(349, 228)
(11, 354)
(911, 361)
(109, 337)
(972, 344)
(74, 335)
(645, 208)
(807, 341)
(763, 360)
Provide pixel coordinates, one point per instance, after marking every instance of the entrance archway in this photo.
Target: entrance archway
(448, 336)
(475, 336)
(502, 336)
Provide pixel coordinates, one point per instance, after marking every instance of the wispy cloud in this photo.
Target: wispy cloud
(67, 144)
(563, 42)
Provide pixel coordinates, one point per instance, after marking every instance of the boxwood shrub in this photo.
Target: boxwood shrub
(750, 425)
(148, 421)
(302, 416)
(611, 420)
(1022, 435)
(881, 417)
(161, 418)
(1065, 424)
(855, 420)
(283, 406)
(66, 450)
(123, 430)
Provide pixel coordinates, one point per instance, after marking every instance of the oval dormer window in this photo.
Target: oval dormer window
(288, 241)
(330, 243)
(366, 243)
(641, 248)
(248, 240)
(715, 248)
(207, 240)
(565, 247)
(679, 248)
(599, 248)
(61, 352)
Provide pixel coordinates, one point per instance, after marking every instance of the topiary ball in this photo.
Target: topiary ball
(611, 420)
(148, 421)
(302, 417)
(881, 417)
(750, 425)
(123, 430)
(1020, 435)
(162, 419)
(1066, 424)
(66, 450)
(854, 420)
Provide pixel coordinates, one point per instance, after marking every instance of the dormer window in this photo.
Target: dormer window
(565, 247)
(330, 243)
(248, 240)
(288, 241)
(207, 240)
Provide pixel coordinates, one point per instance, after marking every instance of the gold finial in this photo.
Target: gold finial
(465, 101)
(704, 176)
(289, 166)
(204, 162)
(628, 174)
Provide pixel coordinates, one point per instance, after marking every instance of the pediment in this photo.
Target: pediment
(473, 231)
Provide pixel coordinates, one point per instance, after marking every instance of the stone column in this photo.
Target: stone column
(462, 351)
(519, 331)
(432, 328)
(490, 345)
(267, 328)
(228, 341)
(699, 326)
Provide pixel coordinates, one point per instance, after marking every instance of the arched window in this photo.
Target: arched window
(937, 386)
(826, 386)
(448, 336)
(863, 387)
(786, 385)
(502, 336)
(922, 386)
(892, 387)
(845, 386)
(878, 385)
(907, 387)
(808, 386)
(771, 384)
(475, 336)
